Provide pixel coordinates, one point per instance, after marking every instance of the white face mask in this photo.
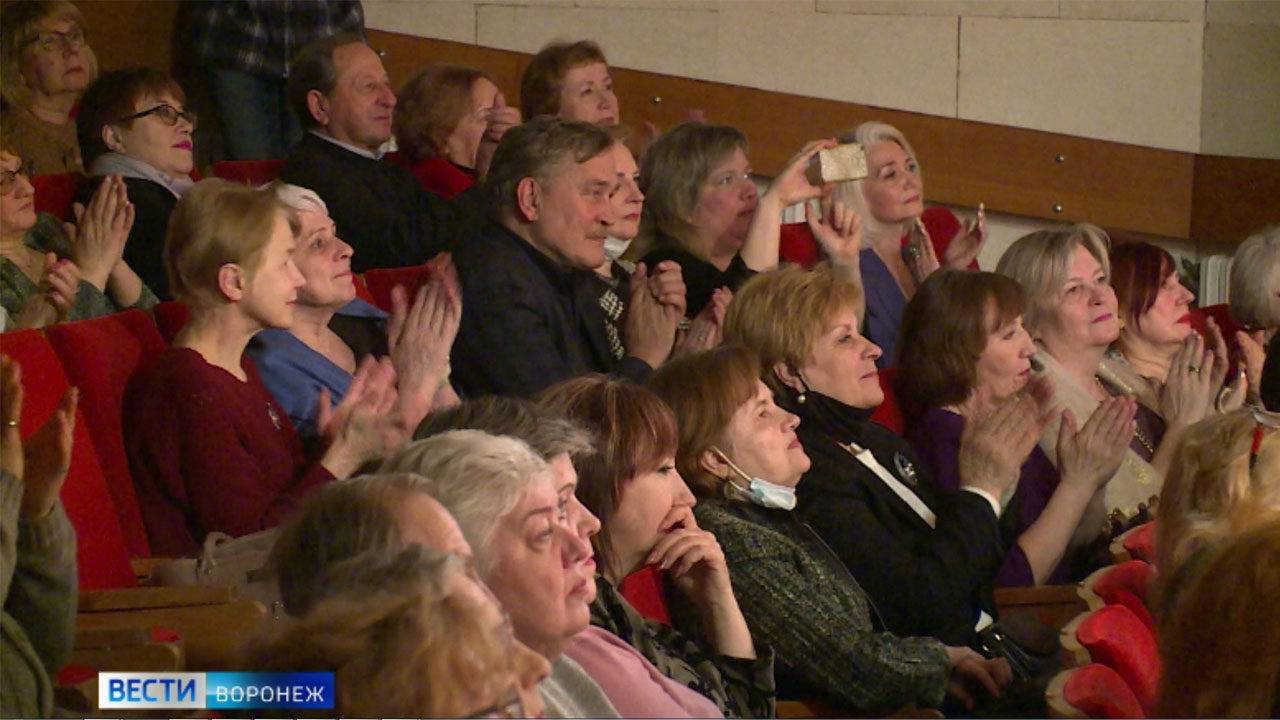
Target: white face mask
(614, 247)
(759, 491)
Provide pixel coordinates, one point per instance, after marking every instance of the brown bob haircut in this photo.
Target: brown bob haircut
(634, 431)
(215, 223)
(531, 149)
(704, 390)
(430, 105)
(945, 327)
(543, 79)
(1137, 272)
(781, 313)
(115, 95)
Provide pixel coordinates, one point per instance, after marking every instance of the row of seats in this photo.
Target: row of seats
(1110, 652)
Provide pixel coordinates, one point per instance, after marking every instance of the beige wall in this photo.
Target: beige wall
(1191, 75)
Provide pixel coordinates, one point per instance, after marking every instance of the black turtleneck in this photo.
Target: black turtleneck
(925, 581)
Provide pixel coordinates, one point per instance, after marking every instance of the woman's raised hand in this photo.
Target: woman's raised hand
(1087, 458)
(967, 243)
(838, 231)
(41, 461)
(1189, 391)
(707, 329)
(420, 337)
(922, 259)
(100, 231)
(362, 427)
(791, 185)
(54, 296)
(994, 444)
(691, 556)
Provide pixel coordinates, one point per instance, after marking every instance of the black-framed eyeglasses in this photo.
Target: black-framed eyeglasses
(9, 178)
(53, 40)
(168, 113)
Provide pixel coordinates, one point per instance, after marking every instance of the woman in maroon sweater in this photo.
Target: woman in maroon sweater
(208, 446)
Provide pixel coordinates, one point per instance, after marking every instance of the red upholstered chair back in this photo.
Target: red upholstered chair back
(889, 412)
(101, 555)
(797, 245)
(1141, 542)
(99, 356)
(1133, 576)
(1117, 638)
(1094, 691)
(169, 317)
(54, 193)
(250, 172)
(362, 290)
(381, 281)
(643, 589)
(1221, 315)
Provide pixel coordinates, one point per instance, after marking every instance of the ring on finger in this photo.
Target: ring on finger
(1193, 368)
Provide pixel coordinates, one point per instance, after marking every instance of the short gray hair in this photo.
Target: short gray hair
(340, 521)
(300, 199)
(479, 478)
(1255, 277)
(867, 134)
(1041, 261)
(549, 434)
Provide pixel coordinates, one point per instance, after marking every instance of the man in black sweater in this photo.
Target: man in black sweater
(531, 315)
(343, 98)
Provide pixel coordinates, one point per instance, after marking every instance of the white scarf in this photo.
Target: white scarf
(112, 163)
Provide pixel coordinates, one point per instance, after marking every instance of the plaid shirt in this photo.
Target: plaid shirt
(263, 36)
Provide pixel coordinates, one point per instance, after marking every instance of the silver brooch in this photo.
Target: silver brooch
(275, 418)
(906, 470)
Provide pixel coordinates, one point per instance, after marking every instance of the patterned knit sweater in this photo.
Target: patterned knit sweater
(798, 598)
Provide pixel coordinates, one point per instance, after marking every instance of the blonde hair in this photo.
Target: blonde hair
(1221, 647)
(1041, 262)
(18, 23)
(215, 223)
(1210, 492)
(479, 478)
(780, 314)
(398, 639)
(867, 134)
(1255, 275)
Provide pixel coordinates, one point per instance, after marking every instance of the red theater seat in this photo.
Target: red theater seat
(100, 355)
(102, 557)
(1115, 637)
(381, 281)
(54, 193)
(250, 172)
(1123, 584)
(1137, 543)
(1091, 691)
(643, 589)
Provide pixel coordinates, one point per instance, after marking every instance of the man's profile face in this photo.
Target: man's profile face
(574, 211)
(362, 101)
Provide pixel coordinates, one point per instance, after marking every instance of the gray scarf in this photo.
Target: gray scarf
(112, 163)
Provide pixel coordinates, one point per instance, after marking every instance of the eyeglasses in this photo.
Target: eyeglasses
(168, 113)
(9, 178)
(53, 40)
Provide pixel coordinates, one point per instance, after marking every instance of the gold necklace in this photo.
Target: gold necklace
(1137, 430)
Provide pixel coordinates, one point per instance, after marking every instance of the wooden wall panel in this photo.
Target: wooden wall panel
(1226, 185)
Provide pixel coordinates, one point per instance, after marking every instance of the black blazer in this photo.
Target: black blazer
(929, 582)
(379, 208)
(153, 203)
(526, 323)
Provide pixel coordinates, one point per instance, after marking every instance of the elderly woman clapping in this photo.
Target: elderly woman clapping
(1255, 304)
(332, 330)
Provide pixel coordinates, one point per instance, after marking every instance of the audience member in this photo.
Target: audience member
(408, 636)
(209, 448)
(133, 123)
(742, 457)
(1156, 320)
(865, 487)
(50, 271)
(645, 510)
(332, 330)
(1255, 304)
(531, 314)
(1225, 479)
(703, 210)
(955, 368)
(37, 551)
(1072, 315)
(505, 500)
(569, 81)
(1221, 648)
(448, 122)
(45, 63)
(245, 48)
(341, 93)
(903, 241)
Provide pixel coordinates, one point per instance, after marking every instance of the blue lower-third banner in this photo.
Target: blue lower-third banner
(215, 690)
